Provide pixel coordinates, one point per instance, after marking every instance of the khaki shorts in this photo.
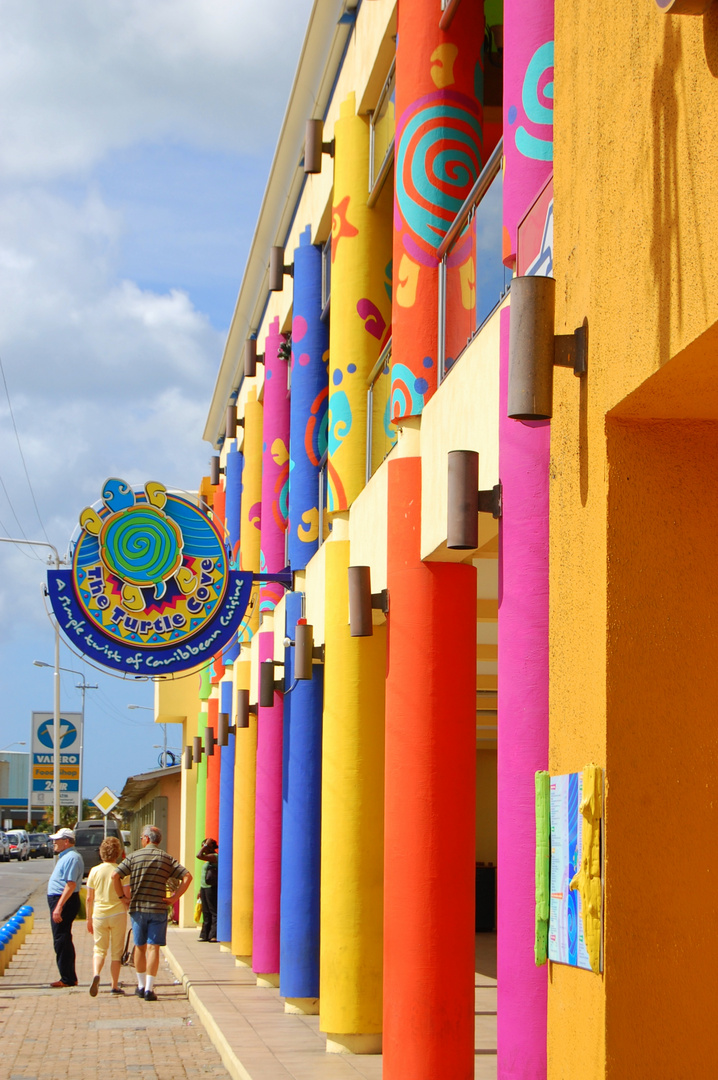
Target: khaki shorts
(109, 935)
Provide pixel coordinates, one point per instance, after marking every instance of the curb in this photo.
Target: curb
(231, 1062)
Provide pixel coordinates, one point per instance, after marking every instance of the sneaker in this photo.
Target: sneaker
(150, 995)
(140, 991)
(94, 985)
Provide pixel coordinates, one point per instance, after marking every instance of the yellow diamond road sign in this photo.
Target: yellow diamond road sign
(105, 800)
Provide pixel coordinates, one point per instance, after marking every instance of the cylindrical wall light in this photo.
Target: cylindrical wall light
(188, 757)
(209, 741)
(250, 358)
(277, 269)
(684, 7)
(242, 708)
(230, 427)
(314, 147)
(534, 348)
(303, 651)
(462, 501)
(531, 348)
(214, 470)
(266, 684)
(223, 729)
(197, 749)
(360, 620)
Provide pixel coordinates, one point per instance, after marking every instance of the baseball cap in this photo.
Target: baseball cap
(63, 834)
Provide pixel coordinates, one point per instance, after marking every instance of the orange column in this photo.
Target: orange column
(213, 766)
(430, 801)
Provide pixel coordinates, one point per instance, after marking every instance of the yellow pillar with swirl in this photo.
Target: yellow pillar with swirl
(361, 303)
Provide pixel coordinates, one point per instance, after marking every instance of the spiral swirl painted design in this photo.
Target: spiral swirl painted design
(141, 546)
(438, 160)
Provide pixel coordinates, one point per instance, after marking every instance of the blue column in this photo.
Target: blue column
(232, 512)
(226, 825)
(308, 406)
(301, 825)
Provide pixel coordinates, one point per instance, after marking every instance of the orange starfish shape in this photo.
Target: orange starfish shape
(341, 226)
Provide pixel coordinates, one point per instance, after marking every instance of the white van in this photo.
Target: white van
(19, 844)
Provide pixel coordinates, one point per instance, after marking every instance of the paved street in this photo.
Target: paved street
(18, 880)
(52, 1034)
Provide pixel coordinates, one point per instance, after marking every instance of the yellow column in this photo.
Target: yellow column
(243, 852)
(250, 533)
(352, 819)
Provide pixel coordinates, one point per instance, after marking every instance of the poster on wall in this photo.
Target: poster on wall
(566, 934)
(43, 758)
(150, 591)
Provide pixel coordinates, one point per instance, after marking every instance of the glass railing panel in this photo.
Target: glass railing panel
(382, 436)
(383, 126)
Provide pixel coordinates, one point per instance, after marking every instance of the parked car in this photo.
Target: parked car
(40, 845)
(88, 837)
(126, 840)
(4, 847)
(19, 845)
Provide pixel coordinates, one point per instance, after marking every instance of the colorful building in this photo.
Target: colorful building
(496, 583)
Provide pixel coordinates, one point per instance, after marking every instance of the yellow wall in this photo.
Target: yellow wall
(636, 251)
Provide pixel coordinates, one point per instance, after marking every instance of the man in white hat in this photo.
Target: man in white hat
(63, 897)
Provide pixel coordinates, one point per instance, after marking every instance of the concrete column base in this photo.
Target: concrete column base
(304, 1006)
(225, 948)
(270, 981)
(243, 961)
(353, 1044)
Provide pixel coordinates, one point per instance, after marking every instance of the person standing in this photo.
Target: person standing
(207, 854)
(149, 870)
(63, 898)
(106, 915)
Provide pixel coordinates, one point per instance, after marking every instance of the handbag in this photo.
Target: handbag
(198, 911)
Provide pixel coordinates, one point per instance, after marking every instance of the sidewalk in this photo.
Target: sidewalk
(257, 1040)
(50, 1034)
(229, 1025)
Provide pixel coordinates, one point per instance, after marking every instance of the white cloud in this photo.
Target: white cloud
(79, 78)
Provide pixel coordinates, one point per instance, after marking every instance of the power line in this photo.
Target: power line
(22, 456)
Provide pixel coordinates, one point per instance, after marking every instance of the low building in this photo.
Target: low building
(153, 798)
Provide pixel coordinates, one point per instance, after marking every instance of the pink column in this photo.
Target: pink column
(523, 729)
(267, 829)
(528, 110)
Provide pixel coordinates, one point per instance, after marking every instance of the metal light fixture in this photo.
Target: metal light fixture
(464, 501)
(362, 601)
(268, 685)
(230, 427)
(224, 729)
(242, 709)
(251, 358)
(314, 147)
(684, 7)
(305, 651)
(214, 470)
(277, 269)
(209, 742)
(188, 757)
(534, 348)
(197, 749)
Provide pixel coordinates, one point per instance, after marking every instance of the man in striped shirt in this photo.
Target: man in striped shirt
(149, 870)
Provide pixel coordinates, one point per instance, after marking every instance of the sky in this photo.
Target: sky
(135, 143)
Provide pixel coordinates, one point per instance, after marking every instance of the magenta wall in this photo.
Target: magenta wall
(267, 829)
(275, 465)
(523, 730)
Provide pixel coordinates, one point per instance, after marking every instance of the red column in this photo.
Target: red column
(213, 765)
(430, 801)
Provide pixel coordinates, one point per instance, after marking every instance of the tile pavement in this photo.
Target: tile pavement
(229, 1025)
(50, 1034)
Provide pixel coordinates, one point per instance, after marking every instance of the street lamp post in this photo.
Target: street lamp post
(83, 686)
(147, 708)
(56, 710)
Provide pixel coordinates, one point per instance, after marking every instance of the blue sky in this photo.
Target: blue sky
(136, 143)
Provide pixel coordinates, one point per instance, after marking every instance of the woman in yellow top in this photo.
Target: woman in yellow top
(106, 915)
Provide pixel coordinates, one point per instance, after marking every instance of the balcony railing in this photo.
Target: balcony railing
(380, 436)
(472, 277)
(382, 127)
